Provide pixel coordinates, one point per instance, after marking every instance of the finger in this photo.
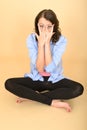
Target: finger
(39, 29)
(52, 28)
(36, 35)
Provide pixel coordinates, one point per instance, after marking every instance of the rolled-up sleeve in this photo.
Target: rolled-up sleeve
(57, 52)
(32, 48)
(50, 67)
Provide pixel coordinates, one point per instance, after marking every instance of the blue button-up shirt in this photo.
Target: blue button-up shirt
(55, 67)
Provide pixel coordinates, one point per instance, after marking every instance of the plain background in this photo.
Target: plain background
(16, 23)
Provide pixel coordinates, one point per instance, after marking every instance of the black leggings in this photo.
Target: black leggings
(45, 91)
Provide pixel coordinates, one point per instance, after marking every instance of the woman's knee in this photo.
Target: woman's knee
(8, 84)
(80, 89)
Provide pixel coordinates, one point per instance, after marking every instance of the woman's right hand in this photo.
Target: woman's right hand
(41, 37)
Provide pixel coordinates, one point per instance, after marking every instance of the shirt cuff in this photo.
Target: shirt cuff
(50, 68)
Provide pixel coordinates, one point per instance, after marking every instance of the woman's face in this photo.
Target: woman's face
(44, 25)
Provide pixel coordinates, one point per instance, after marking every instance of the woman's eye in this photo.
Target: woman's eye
(41, 26)
(49, 27)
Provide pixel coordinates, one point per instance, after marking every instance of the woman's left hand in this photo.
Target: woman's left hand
(48, 35)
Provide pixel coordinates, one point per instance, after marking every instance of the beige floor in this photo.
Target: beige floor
(32, 115)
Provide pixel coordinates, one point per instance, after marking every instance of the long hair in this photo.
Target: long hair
(49, 15)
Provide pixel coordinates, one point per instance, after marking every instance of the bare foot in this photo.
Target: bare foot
(19, 100)
(60, 104)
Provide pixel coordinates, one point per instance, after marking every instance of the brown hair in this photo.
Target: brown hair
(50, 16)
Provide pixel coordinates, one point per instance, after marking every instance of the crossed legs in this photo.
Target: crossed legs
(28, 89)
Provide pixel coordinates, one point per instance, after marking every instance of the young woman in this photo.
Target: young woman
(46, 82)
